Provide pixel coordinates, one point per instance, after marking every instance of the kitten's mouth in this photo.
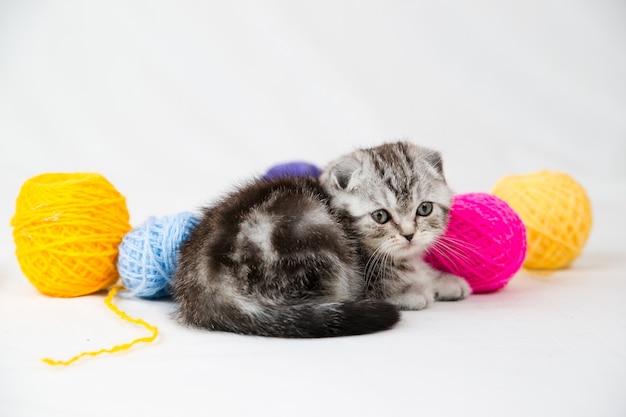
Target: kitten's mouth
(409, 249)
(402, 249)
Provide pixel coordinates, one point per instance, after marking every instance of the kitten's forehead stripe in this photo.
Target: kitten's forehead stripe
(379, 164)
(395, 165)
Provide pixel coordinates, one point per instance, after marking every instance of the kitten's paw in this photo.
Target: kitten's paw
(412, 298)
(449, 287)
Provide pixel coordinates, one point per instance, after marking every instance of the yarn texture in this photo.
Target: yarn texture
(485, 242)
(556, 212)
(148, 254)
(293, 169)
(67, 228)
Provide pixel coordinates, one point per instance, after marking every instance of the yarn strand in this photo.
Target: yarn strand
(125, 346)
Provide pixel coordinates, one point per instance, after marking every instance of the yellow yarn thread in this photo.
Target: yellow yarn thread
(121, 314)
(67, 229)
(556, 212)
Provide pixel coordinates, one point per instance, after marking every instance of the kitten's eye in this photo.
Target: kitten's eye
(381, 216)
(425, 209)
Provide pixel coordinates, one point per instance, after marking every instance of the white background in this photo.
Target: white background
(176, 102)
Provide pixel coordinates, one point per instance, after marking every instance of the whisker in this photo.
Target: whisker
(473, 249)
(450, 253)
(462, 249)
(446, 254)
(377, 261)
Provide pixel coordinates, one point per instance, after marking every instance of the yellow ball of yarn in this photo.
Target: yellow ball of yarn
(67, 228)
(556, 212)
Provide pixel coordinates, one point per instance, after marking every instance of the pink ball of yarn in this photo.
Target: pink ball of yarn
(485, 242)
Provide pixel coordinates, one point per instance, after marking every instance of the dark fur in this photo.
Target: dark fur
(295, 292)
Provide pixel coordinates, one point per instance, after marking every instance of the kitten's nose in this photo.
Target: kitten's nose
(409, 237)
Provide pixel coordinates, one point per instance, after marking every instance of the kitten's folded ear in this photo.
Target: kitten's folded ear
(435, 160)
(340, 173)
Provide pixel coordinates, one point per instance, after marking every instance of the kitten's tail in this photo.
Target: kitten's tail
(321, 320)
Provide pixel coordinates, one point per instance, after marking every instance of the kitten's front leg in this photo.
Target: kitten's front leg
(449, 287)
(412, 297)
(411, 288)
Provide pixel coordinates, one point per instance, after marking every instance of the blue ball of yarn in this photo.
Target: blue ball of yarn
(293, 169)
(148, 254)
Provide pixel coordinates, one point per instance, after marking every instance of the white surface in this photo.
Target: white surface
(175, 104)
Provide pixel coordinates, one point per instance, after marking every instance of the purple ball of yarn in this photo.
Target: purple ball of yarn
(147, 256)
(293, 169)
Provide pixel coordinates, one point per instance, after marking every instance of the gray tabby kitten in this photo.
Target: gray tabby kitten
(334, 256)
